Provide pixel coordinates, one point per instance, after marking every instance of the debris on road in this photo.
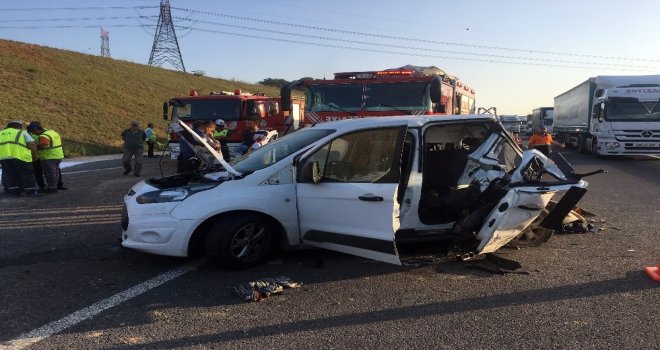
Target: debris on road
(495, 264)
(263, 288)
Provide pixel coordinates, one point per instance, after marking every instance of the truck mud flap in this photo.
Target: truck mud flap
(556, 216)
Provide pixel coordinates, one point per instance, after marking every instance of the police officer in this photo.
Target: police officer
(17, 150)
(49, 146)
(220, 134)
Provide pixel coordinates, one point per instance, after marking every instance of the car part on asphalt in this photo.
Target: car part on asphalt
(263, 288)
(495, 264)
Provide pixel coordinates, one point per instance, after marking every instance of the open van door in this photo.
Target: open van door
(526, 199)
(347, 191)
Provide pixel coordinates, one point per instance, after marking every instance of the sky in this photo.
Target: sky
(516, 54)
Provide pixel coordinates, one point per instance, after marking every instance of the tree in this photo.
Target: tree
(276, 82)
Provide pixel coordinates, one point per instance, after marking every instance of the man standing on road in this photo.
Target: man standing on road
(133, 147)
(49, 145)
(542, 141)
(151, 140)
(17, 151)
(36, 164)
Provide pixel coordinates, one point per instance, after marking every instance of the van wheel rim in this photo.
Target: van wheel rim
(249, 242)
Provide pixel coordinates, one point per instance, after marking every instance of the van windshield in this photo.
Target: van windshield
(279, 149)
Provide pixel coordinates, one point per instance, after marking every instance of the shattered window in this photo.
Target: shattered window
(364, 156)
(506, 154)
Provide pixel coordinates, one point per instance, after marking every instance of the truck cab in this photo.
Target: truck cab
(543, 117)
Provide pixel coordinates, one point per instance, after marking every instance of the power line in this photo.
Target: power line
(403, 53)
(30, 9)
(71, 19)
(419, 48)
(391, 37)
(592, 65)
(75, 26)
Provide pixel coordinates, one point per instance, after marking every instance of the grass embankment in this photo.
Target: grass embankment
(88, 99)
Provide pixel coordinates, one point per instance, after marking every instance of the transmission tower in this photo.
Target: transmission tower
(105, 43)
(166, 47)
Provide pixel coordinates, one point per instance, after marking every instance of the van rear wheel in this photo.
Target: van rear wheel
(534, 235)
(240, 242)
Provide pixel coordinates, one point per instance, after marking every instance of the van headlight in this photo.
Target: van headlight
(171, 194)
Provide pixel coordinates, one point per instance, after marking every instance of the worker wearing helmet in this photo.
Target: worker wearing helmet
(542, 141)
(220, 134)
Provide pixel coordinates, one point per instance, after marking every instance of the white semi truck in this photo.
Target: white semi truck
(611, 115)
(514, 124)
(542, 117)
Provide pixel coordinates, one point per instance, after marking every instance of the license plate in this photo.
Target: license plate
(645, 145)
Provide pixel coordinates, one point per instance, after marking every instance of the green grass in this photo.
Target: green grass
(88, 99)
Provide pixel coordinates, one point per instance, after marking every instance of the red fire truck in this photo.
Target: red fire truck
(398, 91)
(235, 108)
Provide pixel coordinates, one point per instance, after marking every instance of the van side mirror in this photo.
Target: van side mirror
(165, 110)
(435, 90)
(316, 173)
(310, 172)
(285, 94)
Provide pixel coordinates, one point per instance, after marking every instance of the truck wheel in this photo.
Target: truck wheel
(594, 147)
(534, 235)
(240, 242)
(580, 144)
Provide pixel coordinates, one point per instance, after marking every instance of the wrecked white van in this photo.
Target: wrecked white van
(359, 186)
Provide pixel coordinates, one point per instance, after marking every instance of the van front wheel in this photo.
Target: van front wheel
(240, 242)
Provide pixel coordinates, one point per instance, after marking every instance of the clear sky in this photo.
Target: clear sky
(516, 54)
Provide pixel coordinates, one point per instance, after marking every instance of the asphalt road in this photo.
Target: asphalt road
(65, 283)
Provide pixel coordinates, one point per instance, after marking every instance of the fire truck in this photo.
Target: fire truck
(235, 108)
(408, 90)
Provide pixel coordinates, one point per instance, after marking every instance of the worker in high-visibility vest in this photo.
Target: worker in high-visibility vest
(49, 146)
(220, 133)
(151, 140)
(17, 150)
(542, 141)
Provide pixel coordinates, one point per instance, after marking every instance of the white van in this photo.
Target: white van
(361, 186)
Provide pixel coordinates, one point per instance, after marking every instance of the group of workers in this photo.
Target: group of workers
(30, 159)
(215, 134)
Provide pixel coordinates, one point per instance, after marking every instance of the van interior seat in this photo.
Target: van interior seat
(443, 169)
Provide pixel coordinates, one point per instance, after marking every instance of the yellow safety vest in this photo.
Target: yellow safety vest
(54, 149)
(13, 145)
(222, 133)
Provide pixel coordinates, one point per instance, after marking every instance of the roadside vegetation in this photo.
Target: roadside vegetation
(89, 99)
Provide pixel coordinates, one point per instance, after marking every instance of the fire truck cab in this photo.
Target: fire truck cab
(235, 108)
(408, 90)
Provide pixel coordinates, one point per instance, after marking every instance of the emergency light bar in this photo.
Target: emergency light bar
(395, 72)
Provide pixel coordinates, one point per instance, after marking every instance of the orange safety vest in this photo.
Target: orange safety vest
(537, 139)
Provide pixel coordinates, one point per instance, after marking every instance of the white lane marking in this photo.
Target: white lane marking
(41, 333)
(87, 171)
